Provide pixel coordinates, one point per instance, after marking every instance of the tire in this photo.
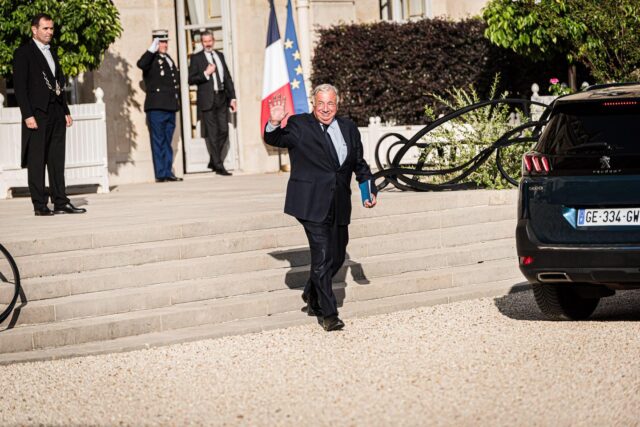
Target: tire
(561, 302)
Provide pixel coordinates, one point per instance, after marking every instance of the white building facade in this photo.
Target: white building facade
(240, 28)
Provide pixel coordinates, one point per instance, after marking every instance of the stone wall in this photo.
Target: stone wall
(457, 9)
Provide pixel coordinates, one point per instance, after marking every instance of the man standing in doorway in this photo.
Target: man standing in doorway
(216, 95)
(325, 152)
(39, 88)
(161, 80)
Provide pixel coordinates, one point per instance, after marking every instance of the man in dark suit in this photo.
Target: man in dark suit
(39, 88)
(216, 95)
(162, 85)
(325, 151)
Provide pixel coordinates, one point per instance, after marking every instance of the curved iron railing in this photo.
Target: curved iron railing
(405, 178)
(6, 278)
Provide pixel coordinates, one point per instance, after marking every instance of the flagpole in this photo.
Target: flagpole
(305, 49)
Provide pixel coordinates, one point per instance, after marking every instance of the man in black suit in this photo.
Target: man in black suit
(325, 151)
(216, 95)
(39, 88)
(162, 84)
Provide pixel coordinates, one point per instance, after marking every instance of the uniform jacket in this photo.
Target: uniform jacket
(316, 178)
(205, 87)
(162, 82)
(30, 68)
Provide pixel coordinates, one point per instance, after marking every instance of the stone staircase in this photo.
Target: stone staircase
(136, 286)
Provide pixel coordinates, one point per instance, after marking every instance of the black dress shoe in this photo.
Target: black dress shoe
(68, 209)
(161, 179)
(332, 323)
(223, 172)
(173, 178)
(43, 211)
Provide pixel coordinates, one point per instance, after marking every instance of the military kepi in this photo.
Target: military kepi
(162, 35)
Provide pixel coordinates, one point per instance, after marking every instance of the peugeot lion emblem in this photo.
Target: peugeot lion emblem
(604, 162)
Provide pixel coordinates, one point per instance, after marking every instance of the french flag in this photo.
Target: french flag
(276, 76)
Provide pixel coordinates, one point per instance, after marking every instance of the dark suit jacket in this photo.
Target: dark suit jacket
(316, 178)
(205, 87)
(161, 81)
(31, 89)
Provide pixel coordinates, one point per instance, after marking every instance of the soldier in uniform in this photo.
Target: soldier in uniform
(162, 85)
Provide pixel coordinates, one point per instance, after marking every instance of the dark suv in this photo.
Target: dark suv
(578, 233)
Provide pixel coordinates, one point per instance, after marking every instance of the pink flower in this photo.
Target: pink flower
(554, 81)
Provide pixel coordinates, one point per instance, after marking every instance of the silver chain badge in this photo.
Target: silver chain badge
(57, 90)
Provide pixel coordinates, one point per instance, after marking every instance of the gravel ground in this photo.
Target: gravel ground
(482, 362)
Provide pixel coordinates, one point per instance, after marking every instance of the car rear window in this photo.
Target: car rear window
(593, 128)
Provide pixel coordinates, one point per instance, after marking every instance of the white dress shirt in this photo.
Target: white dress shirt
(338, 140)
(45, 49)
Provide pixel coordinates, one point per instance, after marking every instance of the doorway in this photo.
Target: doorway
(195, 16)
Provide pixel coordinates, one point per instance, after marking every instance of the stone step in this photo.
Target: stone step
(141, 297)
(259, 324)
(249, 305)
(176, 270)
(102, 232)
(207, 246)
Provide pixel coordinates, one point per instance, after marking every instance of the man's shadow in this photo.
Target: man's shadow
(518, 305)
(297, 276)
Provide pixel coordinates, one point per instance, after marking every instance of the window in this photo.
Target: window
(405, 10)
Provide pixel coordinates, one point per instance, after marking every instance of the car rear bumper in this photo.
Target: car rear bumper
(617, 266)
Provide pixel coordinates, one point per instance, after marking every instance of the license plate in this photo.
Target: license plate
(608, 217)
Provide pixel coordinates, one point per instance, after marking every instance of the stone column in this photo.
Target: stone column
(185, 104)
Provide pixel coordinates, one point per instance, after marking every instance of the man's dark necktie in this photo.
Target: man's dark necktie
(332, 148)
(216, 76)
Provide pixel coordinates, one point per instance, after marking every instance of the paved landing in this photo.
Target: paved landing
(201, 196)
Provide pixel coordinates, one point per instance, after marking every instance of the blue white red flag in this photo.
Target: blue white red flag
(276, 77)
(294, 65)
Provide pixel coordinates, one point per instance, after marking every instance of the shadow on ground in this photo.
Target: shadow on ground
(299, 260)
(624, 306)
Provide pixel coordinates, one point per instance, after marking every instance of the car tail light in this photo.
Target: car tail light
(526, 260)
(619, 103)
(535, 163)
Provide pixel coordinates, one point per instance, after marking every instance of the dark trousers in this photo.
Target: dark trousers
(215, 128)
(47, 148)
(328, 244)
(161, 126)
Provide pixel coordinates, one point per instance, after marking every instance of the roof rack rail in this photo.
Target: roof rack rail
(606, 85)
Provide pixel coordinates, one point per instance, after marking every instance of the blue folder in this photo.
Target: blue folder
(365, 191)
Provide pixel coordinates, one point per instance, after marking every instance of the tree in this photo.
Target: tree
(610, 45)
(602, 34)
(84, 29)
(536, 29)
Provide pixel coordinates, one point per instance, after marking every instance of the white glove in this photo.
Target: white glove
(154, 46)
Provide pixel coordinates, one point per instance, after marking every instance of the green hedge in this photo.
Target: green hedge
(389, 69)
